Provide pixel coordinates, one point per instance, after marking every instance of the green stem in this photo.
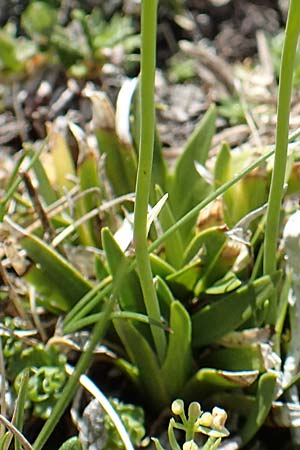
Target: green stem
(88, 302)
(189, 432)
(278, 175)
(148, 61)
(73, 382)
(212, 443)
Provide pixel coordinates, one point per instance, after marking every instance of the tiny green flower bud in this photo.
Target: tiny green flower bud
(206, 420)
(194, 410)
(177, 407)
(190, 445)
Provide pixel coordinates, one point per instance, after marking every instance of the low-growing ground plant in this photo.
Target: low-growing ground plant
(179, 268)
(81, 43)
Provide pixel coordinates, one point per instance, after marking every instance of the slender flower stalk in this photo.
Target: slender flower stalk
(279, 171)
(147, 112)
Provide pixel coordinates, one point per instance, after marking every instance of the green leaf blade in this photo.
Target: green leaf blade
(178, 362)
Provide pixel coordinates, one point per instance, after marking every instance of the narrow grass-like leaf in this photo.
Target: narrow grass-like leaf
(101, 268)
(120, 158)
(222, 168)
(18, 416)
(104, 129)
(178, 362)
(160, 267)
(46, 190)
(192, 214)
(159, 167)
(88, 320)
(216, 319)
(52, 298)
(88, 173)
(184, 280)
(164, 292)
(253, 192)
(249, 193)
(244, 357)
(17, 434)
(89, 302)
(130, 370)
(122, 126)
(222, 174)
(165, 297)
(16, 179)
(215, 256)
(5, 440)
(155, 211)
(130, 293)
(264, 396)
(63, 163)
(188, 188)
(123, 109)
(69, 282)
(109, 146)
(173, 246)
(228, 283)
(129, 165)
(282, 310)
(217, 268)
(210, 245)
(205, 243)
(142, 355)
(209, 381)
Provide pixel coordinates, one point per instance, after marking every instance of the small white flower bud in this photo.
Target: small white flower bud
(190, 445)
(219, 418)
(177, 407)
(206, 420)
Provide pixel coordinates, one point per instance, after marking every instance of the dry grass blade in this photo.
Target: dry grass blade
(105, 404)
(71, 228)
(12, 293)
(34, 313)
(16, 433)
(41, 213)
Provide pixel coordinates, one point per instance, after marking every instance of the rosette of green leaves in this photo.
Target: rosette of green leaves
(44, 387)
(45, 366)
(133, 419)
